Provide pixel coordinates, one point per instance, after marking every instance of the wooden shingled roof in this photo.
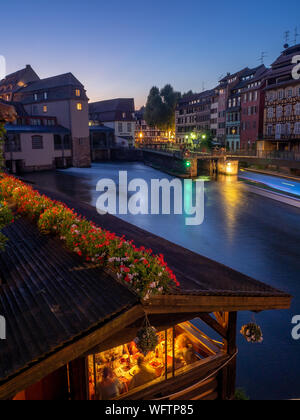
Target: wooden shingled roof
(49, 297)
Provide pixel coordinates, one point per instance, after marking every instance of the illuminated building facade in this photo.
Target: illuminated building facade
(282, 106)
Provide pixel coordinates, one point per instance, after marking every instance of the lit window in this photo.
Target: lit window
(79, 107)
(77, 92)
(45, 109)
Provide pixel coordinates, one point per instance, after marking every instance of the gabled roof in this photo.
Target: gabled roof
(258, 73)
(20, 76)
(112, 110)
(67, 79)
(286, 56)
(112, 105)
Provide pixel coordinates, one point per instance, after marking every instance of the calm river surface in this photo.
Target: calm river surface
(250, 233)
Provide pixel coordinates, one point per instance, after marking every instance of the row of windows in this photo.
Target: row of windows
(283, 94)
(13, 143)
(194, 110)
(232, 103)
(232, 117)
(248, 125)
(121, 128)
(283, 111)
(44, 96)
(250, 110)
(283, 129)
(250, 97)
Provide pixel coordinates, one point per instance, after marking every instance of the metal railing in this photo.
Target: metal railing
(174, 149)
(268, 155)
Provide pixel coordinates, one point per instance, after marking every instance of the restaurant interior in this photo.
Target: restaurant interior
(122, 370)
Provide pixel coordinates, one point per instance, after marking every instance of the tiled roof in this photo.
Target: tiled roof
(16, 77)
(101, 128)
(112, 110)
(49, 297)
(66, 79)
(57, 129)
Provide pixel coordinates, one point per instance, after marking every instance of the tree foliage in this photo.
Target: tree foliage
(160, 107)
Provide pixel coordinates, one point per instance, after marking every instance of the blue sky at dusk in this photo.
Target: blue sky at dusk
(122, 48)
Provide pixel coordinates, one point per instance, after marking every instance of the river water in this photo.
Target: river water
(250, 233)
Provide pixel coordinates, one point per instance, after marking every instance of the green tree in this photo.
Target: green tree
(205, 141)
(160, 107)
(187, 94)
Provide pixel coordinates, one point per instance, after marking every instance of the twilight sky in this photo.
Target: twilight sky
(121, 48)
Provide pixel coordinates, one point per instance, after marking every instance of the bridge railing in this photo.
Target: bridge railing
(268, 155)
(174, 149)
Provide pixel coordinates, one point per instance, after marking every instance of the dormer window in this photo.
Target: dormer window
(77, 92)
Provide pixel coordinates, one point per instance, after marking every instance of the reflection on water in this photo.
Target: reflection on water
(248, 232)
(231, 199)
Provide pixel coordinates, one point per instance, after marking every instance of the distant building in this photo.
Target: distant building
(52, 126)
(282, 106)
(118, 114)
(193, 115)
(148, 135)
(252, 107)
(233, 110)
(214, 116)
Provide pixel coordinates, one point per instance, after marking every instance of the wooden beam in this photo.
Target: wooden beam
(213, 324)
(185, 304)
(228, 381)
(68, 353)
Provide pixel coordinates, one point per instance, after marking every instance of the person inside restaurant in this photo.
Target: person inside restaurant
(144, 374)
